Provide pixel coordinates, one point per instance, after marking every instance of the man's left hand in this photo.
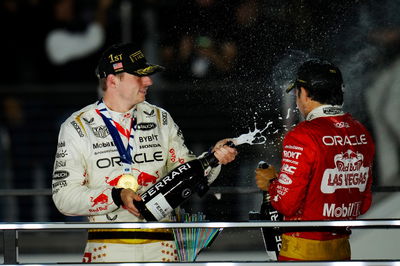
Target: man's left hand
(264, 177)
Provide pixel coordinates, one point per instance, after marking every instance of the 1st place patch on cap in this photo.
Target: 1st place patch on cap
(127, 58)
(136, 56)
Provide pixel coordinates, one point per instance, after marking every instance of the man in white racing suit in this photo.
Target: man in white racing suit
(113, 150)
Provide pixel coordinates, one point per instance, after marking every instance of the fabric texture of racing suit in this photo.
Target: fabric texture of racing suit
(326, 174)
(87, 166)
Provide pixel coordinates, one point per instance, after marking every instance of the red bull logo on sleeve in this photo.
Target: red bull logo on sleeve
(102, 199)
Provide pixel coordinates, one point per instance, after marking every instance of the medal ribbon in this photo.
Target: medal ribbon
(115, 129)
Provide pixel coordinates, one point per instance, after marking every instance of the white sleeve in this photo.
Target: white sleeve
(178, 153)
(63, 46)
(71, 193)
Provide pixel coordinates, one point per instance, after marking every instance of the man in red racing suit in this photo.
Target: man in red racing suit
(326, 171)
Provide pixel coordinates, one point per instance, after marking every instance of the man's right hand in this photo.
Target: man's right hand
(127, 197)
(264, 176)
(224, 153)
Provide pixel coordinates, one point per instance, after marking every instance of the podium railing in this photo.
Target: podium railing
(10, 233)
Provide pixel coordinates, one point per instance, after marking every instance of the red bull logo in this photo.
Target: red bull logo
(113, 182)
(100, 199)
(145, 179)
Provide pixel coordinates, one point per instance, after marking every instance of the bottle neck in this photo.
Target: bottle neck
(209, 160)
(266, 197)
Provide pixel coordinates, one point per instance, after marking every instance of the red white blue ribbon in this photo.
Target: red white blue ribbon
(116, 130)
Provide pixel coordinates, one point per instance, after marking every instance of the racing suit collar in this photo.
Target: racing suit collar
(119, 117)
(325, 110)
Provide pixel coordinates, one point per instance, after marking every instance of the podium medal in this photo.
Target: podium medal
(128, 181)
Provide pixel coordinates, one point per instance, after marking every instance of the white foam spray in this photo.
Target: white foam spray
(253, 137)
(288, 113)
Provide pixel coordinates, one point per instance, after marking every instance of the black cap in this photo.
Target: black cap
(317, 73)
(125, 58)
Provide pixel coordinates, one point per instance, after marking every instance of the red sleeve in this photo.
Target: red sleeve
(289, 189)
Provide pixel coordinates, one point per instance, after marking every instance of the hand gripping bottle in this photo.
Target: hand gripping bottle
(175, 188)
(271, 235)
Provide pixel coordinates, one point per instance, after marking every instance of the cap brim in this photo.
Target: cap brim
(297, 83)
(290, 87)
(149, 70)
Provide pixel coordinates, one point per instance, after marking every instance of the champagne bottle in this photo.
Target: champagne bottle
(175, 188)
(271, 235)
